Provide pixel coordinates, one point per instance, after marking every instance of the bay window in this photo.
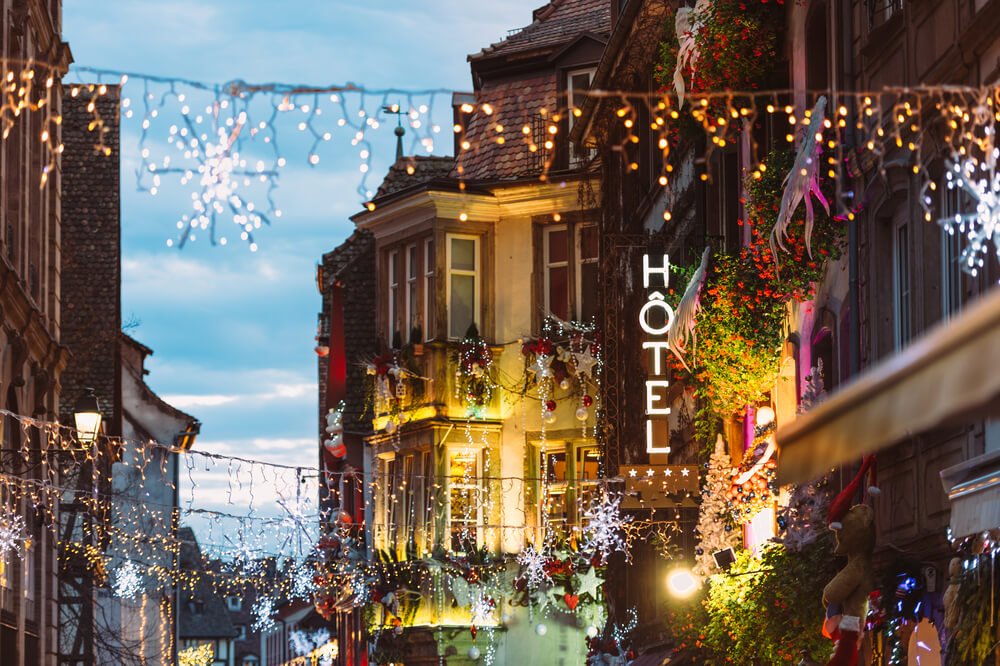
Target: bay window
(463, 283)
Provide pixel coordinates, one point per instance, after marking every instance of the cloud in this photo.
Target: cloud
(278, 392)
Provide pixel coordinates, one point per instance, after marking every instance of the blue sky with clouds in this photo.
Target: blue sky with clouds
(232, 331)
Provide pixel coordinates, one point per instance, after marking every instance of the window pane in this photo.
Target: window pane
(559, 292)
(557, 246)
(554, 465)
(588, 291)
(580, 83)
(412, 261)
(588, 242)
(462, 309)
(463, 254)
(587, 462)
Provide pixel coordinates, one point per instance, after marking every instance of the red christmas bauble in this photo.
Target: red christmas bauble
(550, 405)
(587, 400)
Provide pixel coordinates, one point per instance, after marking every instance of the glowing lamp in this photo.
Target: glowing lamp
(87, 415)
(682, 583)
(765, 416)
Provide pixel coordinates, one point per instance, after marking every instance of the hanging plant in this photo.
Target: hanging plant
(799, 271)
(740, 332)
(718, 46)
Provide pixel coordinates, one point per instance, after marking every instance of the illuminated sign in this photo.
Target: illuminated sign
(655, 319)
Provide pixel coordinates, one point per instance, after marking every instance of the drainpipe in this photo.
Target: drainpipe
(847, 83)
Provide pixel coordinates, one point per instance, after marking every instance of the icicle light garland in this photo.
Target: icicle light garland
(226, 146)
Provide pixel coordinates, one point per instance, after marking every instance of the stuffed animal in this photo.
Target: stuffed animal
(848, 591)
(951, 609)
(335, 428)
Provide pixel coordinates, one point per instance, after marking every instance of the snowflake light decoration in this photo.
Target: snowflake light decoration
(129, 581)
(263, 611)
(219, 170)
(303, 581)
(482, 609)
(302, 642)
(604, 532)
(299, 523)
(11, 534)
(980, 181)
(532, 563)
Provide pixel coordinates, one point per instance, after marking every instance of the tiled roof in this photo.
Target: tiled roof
(425, 168)
(202, 612)
(555, 24)
(515, 104)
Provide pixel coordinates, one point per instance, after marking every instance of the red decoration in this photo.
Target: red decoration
(587, 400)
(571, 600)
(473, 631)
(550, 405)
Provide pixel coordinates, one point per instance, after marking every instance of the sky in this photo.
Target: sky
(232, 331)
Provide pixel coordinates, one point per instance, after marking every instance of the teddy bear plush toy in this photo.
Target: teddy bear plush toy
(848, 591)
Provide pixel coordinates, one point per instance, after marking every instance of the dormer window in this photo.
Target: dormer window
(577, 84)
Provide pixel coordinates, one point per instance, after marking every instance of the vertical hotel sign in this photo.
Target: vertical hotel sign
(655, 319)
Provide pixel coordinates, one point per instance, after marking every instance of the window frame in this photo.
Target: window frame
(429, 286)
(577, 156)
(392, 297)
(578, 263)
(476, 273)
(547, 231)
(902, 279)
(952, 203)
(412, 298)
(480, 494)
(574, 487)
(574, 264)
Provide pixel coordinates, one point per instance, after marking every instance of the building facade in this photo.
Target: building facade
(898, 277)
(33, 358)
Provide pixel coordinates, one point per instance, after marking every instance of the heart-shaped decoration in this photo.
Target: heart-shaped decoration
(571, 600)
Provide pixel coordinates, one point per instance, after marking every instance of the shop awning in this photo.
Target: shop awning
(973, 487)
(949, 376)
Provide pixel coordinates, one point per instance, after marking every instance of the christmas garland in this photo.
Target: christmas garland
(475, 374)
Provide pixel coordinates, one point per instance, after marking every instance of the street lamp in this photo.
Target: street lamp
(682, 583)
(87, 415)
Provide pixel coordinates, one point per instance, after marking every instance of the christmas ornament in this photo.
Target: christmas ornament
(582, 414)
(541, 629)
(473, 653)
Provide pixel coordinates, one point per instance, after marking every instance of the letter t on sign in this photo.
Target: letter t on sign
(648, 271)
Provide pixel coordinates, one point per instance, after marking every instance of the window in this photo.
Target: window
(587, 249)
(953, 202)
(465, 509)
(557, 272)
(241, 632)
(430, 297)
(577, 84)
(234, 603)
(463, 284)
(570, 472)
(392, 315)
(901, 280)
(570, 294)
(412, 314)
